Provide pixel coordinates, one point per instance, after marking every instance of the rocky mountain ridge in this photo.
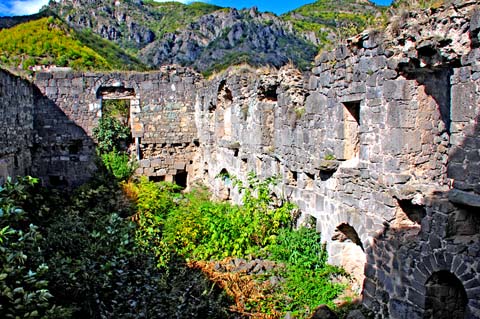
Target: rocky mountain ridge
(208, 37)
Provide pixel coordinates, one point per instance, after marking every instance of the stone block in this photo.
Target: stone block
(144, 163)
(315, 103)
(397, 90)
(180, 165)
(464, 198)
(464, 101)
(402, 310)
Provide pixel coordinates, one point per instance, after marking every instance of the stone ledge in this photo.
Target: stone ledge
(464, 198)
(328, 165)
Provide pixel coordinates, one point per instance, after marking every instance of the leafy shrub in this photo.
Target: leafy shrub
(307, 275)
(119, 164)
(24, 289)
(112, 140)
(202, 229)
(111, 135)
(299, 248)
(154, 201)
(83, 261)
(87, 259)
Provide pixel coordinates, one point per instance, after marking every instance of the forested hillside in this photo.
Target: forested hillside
(49, 41)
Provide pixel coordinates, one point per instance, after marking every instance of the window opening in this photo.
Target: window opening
(413, 212)
(351, 122)
(345, 232)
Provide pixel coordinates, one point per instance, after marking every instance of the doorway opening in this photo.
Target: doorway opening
(445, 296)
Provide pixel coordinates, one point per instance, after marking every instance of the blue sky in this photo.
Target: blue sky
(24, 7)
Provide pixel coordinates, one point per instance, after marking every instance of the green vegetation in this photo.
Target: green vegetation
(48, 41)
(119, 164)
(111, 135)
(113, 138)
(118, 109)
(175, 15)
(233, 58)
(76, 256)
(117, 59)
(330, 157)
(110, 252)
(416, 4)
(308, 276)
(202, 231)
(24, 289)
(324, 17)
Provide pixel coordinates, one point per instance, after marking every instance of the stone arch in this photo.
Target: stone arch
(115, 81)
(348, 251)
(345, 232)
(410, 210)
(458, 266)
(445, 296)
(223, 185)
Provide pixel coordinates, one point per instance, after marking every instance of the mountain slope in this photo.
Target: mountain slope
(132, 24)
(205, 36)
(49, 41)
(231, 36)
(330, 21)
(200, 35)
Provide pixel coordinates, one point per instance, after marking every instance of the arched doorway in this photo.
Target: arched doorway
(223, 185)
(445, 297)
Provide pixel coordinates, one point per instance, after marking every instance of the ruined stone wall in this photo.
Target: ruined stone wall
(161, 119)
(16, 125)
(380, 144)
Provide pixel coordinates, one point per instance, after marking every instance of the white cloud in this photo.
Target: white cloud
(21, 7)
(25, 7)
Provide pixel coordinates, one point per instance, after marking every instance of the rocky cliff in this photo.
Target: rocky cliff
(209, 37)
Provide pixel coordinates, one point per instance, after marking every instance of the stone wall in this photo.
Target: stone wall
(161, 117)
(16, 125)
(379, 144)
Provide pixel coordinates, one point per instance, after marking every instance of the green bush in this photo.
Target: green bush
(307, 275)
(154, 201)
(119, 165)
(111, 135)
(24, 289)
(83, 260)
(201, 229)
(299, 248)
(86, 258)
(112, 140)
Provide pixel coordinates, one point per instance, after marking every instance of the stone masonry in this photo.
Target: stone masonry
(379, 145)
(16, 126)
